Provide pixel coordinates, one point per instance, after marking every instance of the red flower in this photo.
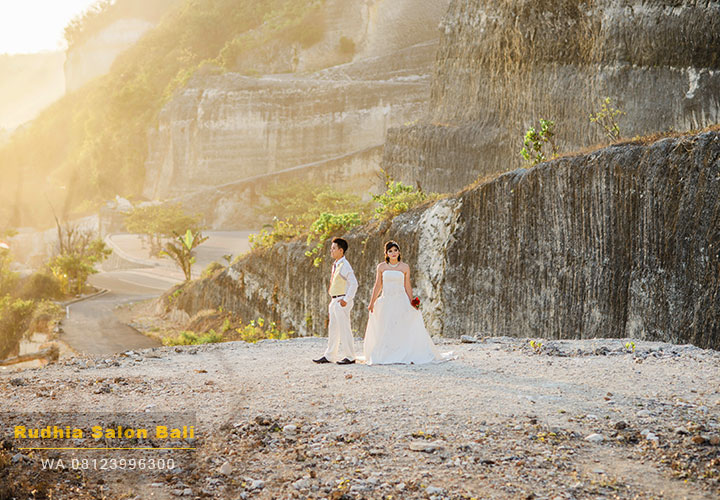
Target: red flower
(415, 302)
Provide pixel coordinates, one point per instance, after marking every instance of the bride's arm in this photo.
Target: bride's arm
(377, 288)
(408, 288)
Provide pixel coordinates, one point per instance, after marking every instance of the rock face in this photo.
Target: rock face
(224, 129)
(373, 28)
(502, 66)
(94, 57)
(622, 242)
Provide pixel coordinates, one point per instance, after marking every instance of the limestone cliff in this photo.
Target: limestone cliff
(319, 108)
(226, 128)
(504, 64)
(621, 242)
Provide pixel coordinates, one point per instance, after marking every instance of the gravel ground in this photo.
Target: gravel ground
(504, 420)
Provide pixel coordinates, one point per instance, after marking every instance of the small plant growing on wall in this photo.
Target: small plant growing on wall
(536, 142)
(606, 118)
(536, 346)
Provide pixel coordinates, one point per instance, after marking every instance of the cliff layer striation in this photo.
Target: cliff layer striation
(502, 65)
(622, 242)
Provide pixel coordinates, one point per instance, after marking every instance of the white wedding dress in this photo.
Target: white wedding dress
(395, 330)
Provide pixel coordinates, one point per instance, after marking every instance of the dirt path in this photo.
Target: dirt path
(501, 421)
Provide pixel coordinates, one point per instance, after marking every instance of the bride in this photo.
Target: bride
(395, 330)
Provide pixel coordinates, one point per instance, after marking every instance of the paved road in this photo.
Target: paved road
(219, 243)
(92, 326)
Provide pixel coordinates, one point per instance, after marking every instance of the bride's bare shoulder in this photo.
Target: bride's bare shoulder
(381, 266)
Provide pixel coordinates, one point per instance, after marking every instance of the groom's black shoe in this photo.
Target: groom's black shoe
(346, 361)
(321, 360)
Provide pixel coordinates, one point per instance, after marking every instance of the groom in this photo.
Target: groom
(343, 286)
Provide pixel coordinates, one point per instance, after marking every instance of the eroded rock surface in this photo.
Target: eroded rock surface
(622, 242)
(502, 66)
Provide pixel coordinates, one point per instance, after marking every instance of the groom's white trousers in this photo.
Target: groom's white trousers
(340, 338)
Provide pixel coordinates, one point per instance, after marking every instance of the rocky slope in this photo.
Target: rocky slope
(503, 65)
(622, 242)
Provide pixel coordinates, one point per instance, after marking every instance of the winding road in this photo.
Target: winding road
(92, 327)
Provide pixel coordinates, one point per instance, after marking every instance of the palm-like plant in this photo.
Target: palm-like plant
(182, 250)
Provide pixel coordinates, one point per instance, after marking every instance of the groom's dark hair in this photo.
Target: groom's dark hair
(341, 243)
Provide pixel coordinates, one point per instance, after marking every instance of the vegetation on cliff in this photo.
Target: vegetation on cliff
(92, 144)
(619, 242)
(318, 212)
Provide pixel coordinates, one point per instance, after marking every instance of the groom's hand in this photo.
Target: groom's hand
(343, 303)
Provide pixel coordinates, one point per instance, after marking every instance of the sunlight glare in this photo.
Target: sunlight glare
(36, 25)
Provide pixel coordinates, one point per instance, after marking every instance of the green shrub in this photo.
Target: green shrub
(76, 261)
(398, 198)
(295, 208)
(211, 269)
(45, 316)
(15, 317)
(280, 231)
(191, 338)
(8, 278)
(533, 150)
(39, 286)
(302, 203)
(261, 330)
(324, 227)
(606, 118)
(155, 222)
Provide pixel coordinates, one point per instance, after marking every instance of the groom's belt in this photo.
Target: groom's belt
(336, 296)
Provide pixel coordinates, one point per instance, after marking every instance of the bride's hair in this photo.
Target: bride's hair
(388, 245)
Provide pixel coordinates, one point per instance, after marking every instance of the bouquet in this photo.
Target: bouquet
(415, 302)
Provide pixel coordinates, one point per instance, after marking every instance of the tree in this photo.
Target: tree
(7, 277)
(182, 250)
(77, 253)
(14, 319)
(158, 222)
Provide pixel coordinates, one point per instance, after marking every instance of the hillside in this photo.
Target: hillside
(91, 144)
(97, 36)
